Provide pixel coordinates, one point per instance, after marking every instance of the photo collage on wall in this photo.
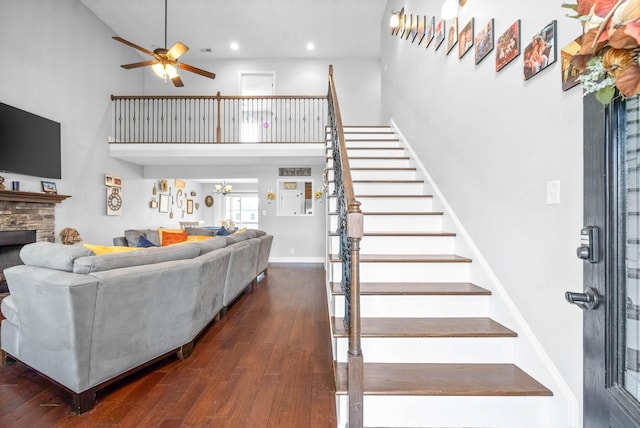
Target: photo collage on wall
(538, 54)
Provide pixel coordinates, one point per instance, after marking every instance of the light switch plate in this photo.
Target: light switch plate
(553, 192)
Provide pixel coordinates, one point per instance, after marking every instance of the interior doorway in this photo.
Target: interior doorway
(257, 121)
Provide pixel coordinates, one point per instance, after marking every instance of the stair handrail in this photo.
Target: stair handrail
(350, 229)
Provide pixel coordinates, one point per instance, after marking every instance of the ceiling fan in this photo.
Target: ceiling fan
(165, 60)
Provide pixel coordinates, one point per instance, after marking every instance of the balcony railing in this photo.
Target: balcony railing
(219, 119)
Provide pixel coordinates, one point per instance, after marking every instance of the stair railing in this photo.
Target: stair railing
(350, 231)
(218, 119)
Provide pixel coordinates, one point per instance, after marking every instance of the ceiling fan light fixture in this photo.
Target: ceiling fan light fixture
(164, 71)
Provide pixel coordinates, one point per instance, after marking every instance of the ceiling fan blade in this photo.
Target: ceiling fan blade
(196, 70)
(177, 50)
(177, 82)
(133, 45)
(138, 64)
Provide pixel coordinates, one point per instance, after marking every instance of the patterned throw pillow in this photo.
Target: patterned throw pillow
(169, 238)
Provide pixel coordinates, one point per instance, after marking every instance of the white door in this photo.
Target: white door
(256, 112)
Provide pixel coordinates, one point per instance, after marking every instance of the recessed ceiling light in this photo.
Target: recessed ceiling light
(234, 46)
(310, 46)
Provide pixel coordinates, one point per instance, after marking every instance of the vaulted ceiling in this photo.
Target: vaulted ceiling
(261, 28)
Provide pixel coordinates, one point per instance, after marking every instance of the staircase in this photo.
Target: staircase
(433, 354)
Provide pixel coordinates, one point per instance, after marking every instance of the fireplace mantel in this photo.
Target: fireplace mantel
(36, 197)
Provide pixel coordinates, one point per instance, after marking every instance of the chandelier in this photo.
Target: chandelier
(223, 188)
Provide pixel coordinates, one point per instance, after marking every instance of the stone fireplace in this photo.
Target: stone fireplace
(25, 217)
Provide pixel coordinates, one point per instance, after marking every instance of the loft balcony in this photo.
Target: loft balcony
(219, 130)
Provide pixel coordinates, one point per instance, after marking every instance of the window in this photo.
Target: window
(242, 210)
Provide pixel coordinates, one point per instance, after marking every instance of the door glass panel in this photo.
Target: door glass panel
(631, 204)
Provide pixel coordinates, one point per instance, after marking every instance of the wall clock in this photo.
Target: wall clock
(114, 201)
(208, 201)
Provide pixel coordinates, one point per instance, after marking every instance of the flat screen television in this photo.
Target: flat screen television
(29, 144)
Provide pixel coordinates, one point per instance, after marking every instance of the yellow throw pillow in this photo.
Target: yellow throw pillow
(194, 238)
(244, 229)
(108, 249)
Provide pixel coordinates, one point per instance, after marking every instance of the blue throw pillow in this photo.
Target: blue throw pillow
(144, 243)
(222, 232)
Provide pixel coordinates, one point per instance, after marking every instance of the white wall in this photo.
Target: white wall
(491, 141)
(61, 63)
(358, 81)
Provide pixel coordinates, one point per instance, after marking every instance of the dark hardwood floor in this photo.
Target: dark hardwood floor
(266, 364)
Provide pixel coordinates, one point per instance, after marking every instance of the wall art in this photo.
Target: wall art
(484, 41)
(189, 206)
(440, 27)
(164, 203)
(407, 26)
(49, 187)
(569, 72)
(508, 45)
(414, 28)
(541, 52)
(452, 34)
(422, 24)
(465, 38)
(430, 32)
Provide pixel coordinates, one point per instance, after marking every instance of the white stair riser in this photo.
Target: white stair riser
(376, 163)
(431, 350)
(374, 152)
(372, 174)
(389, 204)
(417, 306)
(403, 244)
(407, 272)
(396, 223)
(365, 132)
(440, 411)
(390, 188)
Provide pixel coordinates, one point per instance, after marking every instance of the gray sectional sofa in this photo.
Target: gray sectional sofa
(85, 320)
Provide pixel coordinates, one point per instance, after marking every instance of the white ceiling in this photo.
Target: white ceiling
(262, 28)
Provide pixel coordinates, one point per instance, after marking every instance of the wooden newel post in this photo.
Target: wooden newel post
(355, 369)
(218, 128)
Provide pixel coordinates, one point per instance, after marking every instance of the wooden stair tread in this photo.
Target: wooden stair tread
(425, 327)
(371, 148)
(388, 196)
(407, 258)
(405, 234)
(379, 169)
(415, 288)
(396, 213)
(390, 181)
(443, 380)
(376, 157)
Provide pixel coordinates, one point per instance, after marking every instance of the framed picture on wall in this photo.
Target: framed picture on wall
(452, 34)
(164, 203)
(189, 206)
(508, 45)
(430, 31)
(541, 52)
(465, 38)
(484, 41)
(422, 23)
(569, 72)
(440, 33)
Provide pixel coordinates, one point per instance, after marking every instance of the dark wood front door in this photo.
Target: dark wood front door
(611, 299)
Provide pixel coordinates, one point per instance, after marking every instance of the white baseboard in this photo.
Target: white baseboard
(296, 260)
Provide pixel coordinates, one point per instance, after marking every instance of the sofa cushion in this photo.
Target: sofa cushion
(143, 256)
(9, 309)
(215, 243)
(143, 242)
(132, 236)
(169, 238)
(52, 256)
(236, 237)
(197, 231)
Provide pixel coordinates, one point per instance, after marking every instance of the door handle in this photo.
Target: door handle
(590, 299)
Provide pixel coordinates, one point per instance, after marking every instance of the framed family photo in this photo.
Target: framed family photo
(440, 28)
(484, 41)
(49, 187)
(465, 39)
(541, 52)
(452, 34)
(508, 45)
